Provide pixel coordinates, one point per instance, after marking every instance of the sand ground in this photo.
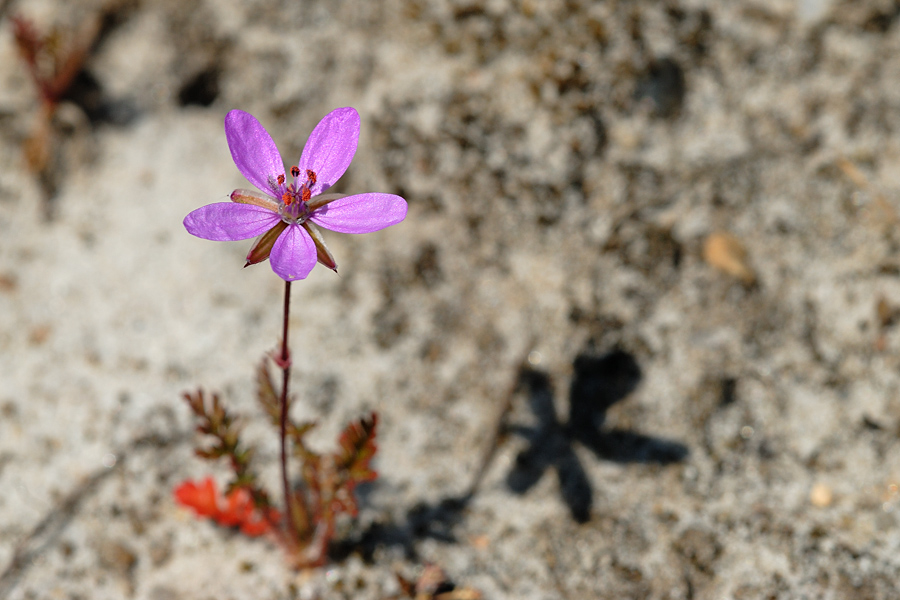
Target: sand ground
(683, 213)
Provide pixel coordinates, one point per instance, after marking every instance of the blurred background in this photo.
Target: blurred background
(669, 227)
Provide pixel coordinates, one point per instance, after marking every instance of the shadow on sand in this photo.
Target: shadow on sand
(599, 382)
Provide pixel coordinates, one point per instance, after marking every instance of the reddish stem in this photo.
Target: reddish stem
(285, 363)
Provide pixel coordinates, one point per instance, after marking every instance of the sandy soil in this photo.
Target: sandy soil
(683, 213)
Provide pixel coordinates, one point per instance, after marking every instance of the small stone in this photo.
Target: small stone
(726, 253)
(8, 282)
(821, 495)
(39, 334)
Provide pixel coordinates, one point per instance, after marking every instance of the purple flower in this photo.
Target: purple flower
(290, 210)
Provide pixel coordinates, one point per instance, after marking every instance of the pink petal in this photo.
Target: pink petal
(330, 148)
(253, 151)
(227, 221)
(362, 213)
(294, 254)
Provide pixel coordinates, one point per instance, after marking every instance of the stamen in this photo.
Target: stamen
(305, 194)
(281, 179)
(311, 176)
(287, 198)
(295, 171)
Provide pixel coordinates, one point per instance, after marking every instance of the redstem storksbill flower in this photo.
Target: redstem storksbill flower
(292, 206)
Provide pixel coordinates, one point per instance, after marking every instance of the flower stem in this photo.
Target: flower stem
(285, 364)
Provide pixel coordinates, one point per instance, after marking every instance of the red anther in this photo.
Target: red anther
(305, 194)
(295, 171)
(287, 198)
(311, 176)
(281, 179)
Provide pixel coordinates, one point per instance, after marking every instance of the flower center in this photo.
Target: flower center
(292, 205)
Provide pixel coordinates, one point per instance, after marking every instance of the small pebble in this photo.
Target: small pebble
(726, 253)
(821, 495)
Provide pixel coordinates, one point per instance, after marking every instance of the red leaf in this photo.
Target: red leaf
(202, 497)
(357, 449)
(240, 510)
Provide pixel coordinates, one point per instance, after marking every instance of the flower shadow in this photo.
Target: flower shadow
(598, 383)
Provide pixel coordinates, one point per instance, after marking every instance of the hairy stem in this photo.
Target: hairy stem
(285, 364)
